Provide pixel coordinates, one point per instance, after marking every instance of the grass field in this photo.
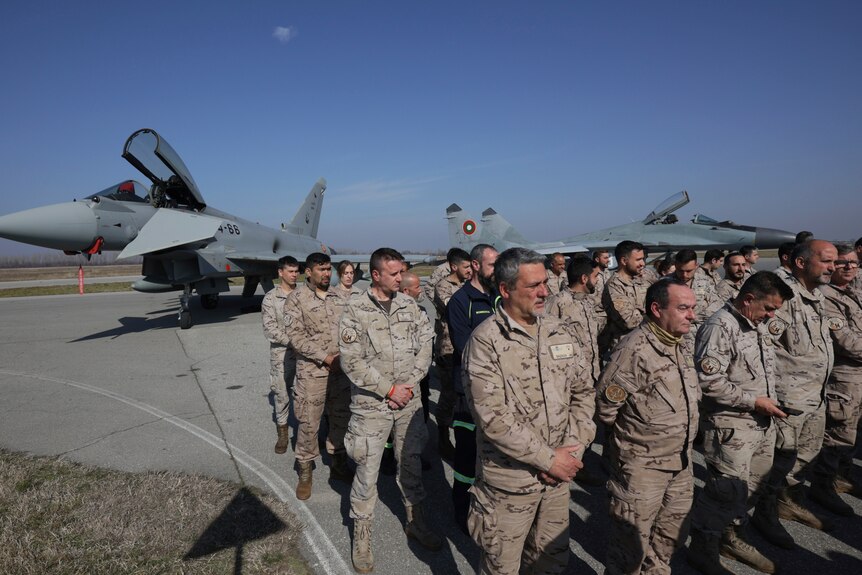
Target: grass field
(62, 518)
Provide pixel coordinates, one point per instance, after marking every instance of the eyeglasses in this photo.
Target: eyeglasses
(846, 264)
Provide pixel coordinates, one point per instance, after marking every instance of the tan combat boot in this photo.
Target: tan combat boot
(790, 507)
(418, 530)
(340, 469)
(303, 488)
(703, 554)
(826, 495)
(283, 439)
(734, 545)
(363, 559)
(765, 519)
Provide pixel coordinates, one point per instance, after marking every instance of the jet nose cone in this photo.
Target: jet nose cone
(765, 238)
(70, 226)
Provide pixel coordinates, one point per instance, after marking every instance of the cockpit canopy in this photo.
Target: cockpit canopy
(666, 208)
(125, 191)
(173, 185)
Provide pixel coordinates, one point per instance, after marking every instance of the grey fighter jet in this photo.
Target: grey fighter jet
(186, 244)
(660, 231)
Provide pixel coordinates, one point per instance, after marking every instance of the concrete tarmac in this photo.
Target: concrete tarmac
(110, 380)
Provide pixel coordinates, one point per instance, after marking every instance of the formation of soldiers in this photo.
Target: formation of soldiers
(537, 357)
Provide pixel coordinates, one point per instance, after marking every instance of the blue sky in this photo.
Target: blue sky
(563, 116)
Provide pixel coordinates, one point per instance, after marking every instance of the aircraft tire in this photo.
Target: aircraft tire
(185, 320)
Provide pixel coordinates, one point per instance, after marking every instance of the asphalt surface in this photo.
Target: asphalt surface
(67, 281)
(110, 380)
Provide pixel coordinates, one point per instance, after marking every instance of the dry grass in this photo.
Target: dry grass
(67, 272)
(62, 518)
(67, 289)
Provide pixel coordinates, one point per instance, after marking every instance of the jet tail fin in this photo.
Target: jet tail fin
(463, 230)
(498, 227)
(307, 217)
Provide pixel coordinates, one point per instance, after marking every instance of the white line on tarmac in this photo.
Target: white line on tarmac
(330, 560)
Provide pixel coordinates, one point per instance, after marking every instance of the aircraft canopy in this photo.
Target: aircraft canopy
(668, 206)
(157, 160)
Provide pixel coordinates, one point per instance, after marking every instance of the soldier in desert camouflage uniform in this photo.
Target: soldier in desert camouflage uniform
(532, 402)
(462, 271)
(712, 261)
(313, 312)
(556, 273)
(282, 361)
(734, 275)
(832, 469)
(385, 344)
(648, 395)
(574, 307)
(804, 358)
(624, 293)
(706, 300)
(346, 280)
(785, 269)
(440, 272)
(856, 284)
(735, 359)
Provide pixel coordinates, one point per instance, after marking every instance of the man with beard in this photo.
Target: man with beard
(574, 306)
(647, 395)
(312, 314)
(804, 358)
(533, 405)
(734, 275)
(282, 359)
(624, 293)
(461, 270)
(475, 302)
(833, 468)
(736, 369)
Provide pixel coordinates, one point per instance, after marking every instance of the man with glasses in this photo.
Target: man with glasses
(832, 469)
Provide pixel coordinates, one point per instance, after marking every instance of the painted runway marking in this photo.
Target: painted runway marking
(330, 560)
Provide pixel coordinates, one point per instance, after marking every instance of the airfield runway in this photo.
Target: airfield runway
(110, 380)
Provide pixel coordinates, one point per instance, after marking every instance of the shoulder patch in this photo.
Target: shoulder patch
(615, 393)
(710, 365)
(348, 335)
(776, 326)
(835, 323)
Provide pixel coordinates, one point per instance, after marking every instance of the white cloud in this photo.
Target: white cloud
(383, 190)
(284, 34)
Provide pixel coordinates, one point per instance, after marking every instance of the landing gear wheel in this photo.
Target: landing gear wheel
(185, 319)
(209, 301)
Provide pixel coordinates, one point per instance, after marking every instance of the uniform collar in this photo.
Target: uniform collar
(739, 317)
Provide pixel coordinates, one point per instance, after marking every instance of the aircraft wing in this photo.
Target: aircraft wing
(562, 248)
(170, 229)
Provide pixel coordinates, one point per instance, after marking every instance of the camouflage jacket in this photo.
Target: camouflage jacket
(623, 300)
(803, 350)
(345, 293)
(555, 282)
(735, 363)
(713, 276)
(707, 301)
(648, 395)
(578, 312)
(437, 275)
(783, 273)
(727, 290)
(380, 349)
(313, 328)
(443, 292)
(528, 396)
(274, 325)
(844, 318)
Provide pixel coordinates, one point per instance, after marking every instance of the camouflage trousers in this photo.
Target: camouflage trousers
(648, 512)
(446, 401)
(797, 443)
(520, 532)
(737, 462)
(843, 410)
(366, 437)
(282, 370)
(313, 396)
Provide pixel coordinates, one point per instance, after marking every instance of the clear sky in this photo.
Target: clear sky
(563, 116)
